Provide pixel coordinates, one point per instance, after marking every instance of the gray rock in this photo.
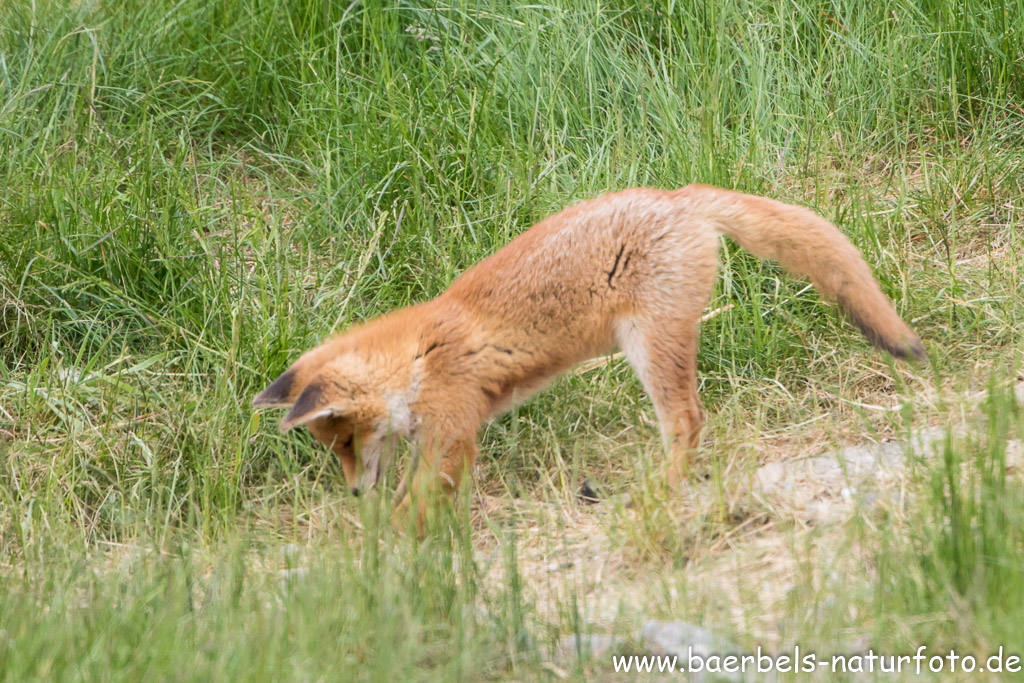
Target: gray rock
(682, 639)
(286, 575)
(593, 645)
(591, 492)
(675, 637)
(661, 638)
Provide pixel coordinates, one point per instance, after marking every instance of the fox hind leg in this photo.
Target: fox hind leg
(664, 355)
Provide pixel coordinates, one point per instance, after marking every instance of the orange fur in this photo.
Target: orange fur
(632, 269)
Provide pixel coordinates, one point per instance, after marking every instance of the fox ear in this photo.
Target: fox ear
(282, 392)
(311, 404)
(286, 389)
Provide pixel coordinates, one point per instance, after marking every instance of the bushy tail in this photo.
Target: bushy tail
(809, 245)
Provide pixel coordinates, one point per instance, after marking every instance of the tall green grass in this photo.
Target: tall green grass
(938, 566)
(195, 192)
(960, 559)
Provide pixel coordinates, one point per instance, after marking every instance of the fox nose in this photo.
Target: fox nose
(355, 491)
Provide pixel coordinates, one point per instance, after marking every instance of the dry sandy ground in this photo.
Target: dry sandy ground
(792, 533)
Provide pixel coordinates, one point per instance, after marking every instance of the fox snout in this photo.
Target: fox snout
(371, 471)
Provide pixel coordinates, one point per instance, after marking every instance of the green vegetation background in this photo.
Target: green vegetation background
(196, 191)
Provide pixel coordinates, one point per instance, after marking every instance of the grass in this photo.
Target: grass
(198, 191)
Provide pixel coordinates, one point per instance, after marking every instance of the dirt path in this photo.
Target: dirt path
(583, 555)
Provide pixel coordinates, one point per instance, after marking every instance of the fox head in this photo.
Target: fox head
(346, 402)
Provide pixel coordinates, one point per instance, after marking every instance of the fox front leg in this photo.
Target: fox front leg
(436, 479)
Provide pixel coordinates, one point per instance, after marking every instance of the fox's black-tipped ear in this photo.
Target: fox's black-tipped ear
(311, 404)
(281, 392)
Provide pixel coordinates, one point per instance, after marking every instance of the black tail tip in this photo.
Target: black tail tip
(912, 350)
(901, 343)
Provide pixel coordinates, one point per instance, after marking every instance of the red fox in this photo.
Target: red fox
(632, 269)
